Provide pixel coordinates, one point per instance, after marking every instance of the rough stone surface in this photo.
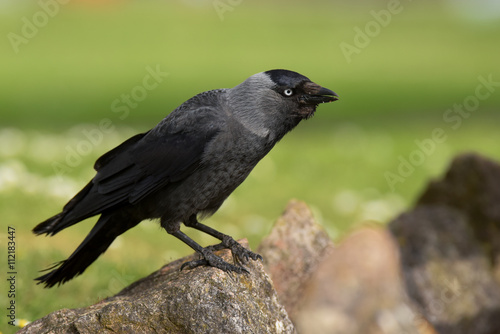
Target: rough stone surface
(472, 185)
(437, 269)
(446, 271)
(449, 248)
(292, 252)
(202, 300)
(357, 288)
(353, 288)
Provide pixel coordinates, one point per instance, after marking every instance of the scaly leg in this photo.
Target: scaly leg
(242, 254)
(209, 258)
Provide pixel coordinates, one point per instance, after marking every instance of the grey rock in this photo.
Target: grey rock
(201, 300)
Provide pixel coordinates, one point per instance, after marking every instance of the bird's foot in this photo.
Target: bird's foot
(240, 253)
(212, 260)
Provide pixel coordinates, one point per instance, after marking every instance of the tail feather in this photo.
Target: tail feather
(107, 228)
(60, 221)
(50, 225)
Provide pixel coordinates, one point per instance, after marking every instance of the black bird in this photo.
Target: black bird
(185, 167)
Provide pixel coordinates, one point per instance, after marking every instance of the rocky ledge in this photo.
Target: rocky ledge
(433, 269)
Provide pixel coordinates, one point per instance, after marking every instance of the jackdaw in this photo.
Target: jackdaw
(185, 167)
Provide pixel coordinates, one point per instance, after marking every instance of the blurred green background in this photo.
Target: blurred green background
(402, 70)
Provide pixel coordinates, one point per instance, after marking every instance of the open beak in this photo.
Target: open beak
(315, 94)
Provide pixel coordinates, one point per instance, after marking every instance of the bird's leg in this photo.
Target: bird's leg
(241, 253)
(209, 258)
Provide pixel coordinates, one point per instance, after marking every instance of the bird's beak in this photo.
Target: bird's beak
(315, 94)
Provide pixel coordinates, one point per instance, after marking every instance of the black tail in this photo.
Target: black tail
(107, 228)
(51, 226)
(65, 219)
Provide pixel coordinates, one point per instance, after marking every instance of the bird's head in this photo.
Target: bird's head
(297, 94)
(284, 91)
(277, 99)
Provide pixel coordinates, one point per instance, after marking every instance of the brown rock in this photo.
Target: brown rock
(202, 300)
(446, 271)
(353, 288)
(357, 288)
(292, 251)
(449, 248)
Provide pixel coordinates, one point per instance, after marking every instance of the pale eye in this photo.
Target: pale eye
(288, 92)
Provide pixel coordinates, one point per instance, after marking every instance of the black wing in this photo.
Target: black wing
(150, 165)
(140, 166)
(131, 173)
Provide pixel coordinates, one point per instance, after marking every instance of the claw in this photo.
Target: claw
(241, 253)
(238, 251)
(240, 256)
(212, 260)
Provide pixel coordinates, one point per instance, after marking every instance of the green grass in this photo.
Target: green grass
(393, 93)
(337, 168)
(84, 59)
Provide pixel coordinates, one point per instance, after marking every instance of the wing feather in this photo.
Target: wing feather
(142, 165)
(145, 163)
